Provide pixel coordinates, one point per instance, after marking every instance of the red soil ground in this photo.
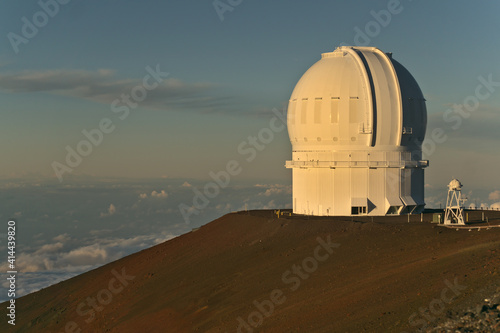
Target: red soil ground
(210, 280)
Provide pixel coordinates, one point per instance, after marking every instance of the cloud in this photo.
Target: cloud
(50, 248)
(275, 189)
(223, 207)
(495, 195)
(111, 211)
(102, 86)
(270, 205)
(495, 206)
(61, 238)
(471, 132)
(186, 184)
(161, 194)
(84, 256)
(54, 80)
(58, 256)
(154, 194)
(29, 282)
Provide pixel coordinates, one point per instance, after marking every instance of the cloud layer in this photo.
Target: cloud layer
(64, 256)
(95, 222)
(104, 87)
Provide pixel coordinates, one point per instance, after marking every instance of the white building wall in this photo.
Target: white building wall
(351, 120)
(376, 190)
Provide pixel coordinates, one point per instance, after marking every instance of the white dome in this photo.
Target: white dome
(356, 96)
(455, 185)
(356, 121)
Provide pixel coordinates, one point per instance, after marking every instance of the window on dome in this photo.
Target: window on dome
(318, 102)
(303, 111)
(334, 110)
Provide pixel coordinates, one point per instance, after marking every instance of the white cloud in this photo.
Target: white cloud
(161, 194)
(495, 195)
(87, 255)
(186, 184)
(111, 211)
(484, 206)
(29, 282)
(275, 189)
(143, 196)
(61, 238)
(49, 248)
(51, 257)
(103, 86)
(495, 206)
(223, 207)
(270, 205)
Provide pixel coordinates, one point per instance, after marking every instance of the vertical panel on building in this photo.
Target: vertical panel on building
(303, 111)
(320, 197)
(329, 192)
(313, 190)
(406, 190)
(318, 103)
(334, 110)
(306, 185)
(359, 184)
(342, 191)
(392, 190)
(376, 190)
(299, 189)
(417, 186)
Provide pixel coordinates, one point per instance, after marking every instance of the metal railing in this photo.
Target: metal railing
(357, 164)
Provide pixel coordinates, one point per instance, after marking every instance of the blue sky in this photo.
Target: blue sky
(224, 79)
(224, 76)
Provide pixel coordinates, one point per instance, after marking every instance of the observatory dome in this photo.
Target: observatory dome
(357, 97)
(455, 184)
(356, 119)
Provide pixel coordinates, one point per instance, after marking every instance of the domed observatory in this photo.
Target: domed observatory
(356, 121)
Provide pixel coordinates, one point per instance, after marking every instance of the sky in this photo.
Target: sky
(115, 113)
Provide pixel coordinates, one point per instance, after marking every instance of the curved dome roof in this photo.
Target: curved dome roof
(455, 184)
(355, 98)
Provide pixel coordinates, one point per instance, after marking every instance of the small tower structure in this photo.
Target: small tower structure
(454, 213)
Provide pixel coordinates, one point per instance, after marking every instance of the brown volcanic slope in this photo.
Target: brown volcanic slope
(203, 281)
